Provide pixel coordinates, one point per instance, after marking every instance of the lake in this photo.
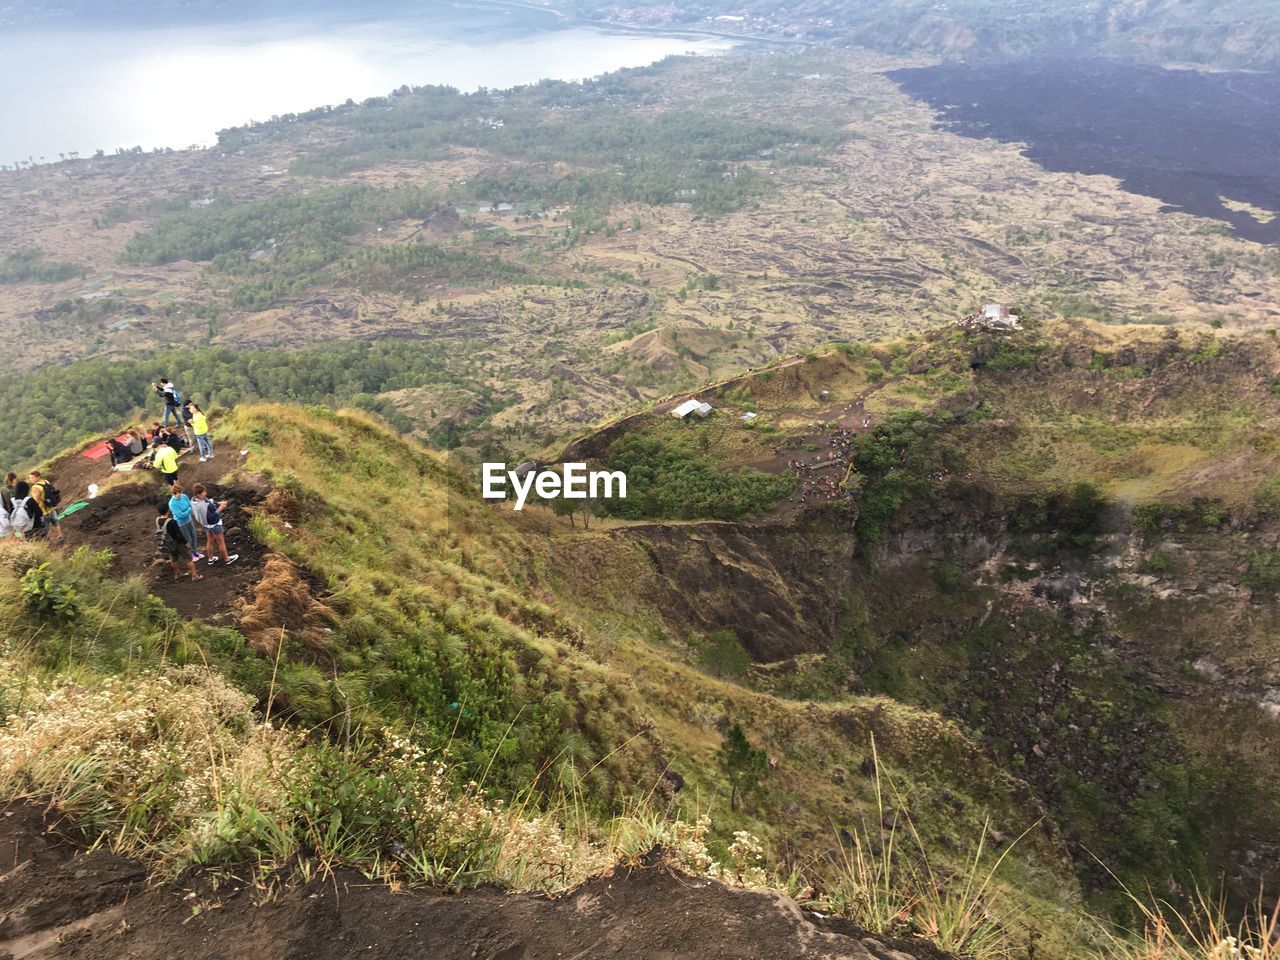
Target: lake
(81, 87)
(1204, 143)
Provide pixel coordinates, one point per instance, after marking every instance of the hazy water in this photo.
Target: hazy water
(76, 87)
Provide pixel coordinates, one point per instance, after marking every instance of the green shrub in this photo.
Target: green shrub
(30, 266)
(1264, 570)
(49, 597)
(723, 654)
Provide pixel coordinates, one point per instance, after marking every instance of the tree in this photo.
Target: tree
(742, 764)
(563, 507)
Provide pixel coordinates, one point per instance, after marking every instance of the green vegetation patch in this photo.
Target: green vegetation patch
(30, 266)
(670, 481)
(278, 248)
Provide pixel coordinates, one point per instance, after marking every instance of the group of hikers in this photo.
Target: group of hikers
(176, 531)
(165, 443)
(29, 508)
(180, 518)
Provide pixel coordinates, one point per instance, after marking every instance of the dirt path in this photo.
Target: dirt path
(122, 519)
(57, 901)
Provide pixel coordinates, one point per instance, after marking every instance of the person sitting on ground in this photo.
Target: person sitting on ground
(171, 437)
(200, 427)
(180, 510)
(209, 515)
(117, 451)
(25, 519)
(165, 459)
(47, 496)
(173, 545)
(137, 443)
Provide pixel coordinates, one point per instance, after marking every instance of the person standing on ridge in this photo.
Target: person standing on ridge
(200, 426)
(47, 498)
(180, 510)
(173, 545)
(209, 515)
(172, 401)
(26, 521)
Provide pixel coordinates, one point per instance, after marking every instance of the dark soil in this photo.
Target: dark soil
(122, 520)
(58, 901)
(1184, 137)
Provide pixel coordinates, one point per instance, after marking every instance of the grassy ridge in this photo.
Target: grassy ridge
(431, 622)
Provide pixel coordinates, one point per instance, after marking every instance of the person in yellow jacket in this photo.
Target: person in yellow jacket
(200, 425)
(165, 459)
(40, 494)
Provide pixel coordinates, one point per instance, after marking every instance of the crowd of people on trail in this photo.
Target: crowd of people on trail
(811, 483)
(29, 508)
(183, 516)
(189, 434)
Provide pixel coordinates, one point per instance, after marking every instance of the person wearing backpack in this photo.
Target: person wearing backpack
(47, 498)
(172, 401)
(25, 519)
(200, 427)
(171, 544)
(209, 515)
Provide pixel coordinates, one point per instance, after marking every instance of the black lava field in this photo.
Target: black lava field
(1185, 137)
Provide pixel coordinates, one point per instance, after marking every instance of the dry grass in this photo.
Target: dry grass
(1204, 930)
(282, 600)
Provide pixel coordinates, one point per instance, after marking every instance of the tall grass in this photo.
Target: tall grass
(887, 882)
(1204, 930)
(174, 765)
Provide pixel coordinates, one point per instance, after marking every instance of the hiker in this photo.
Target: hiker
(160, 433)
(172, 401)
(6, 506)
(200, 425)
(6, 493)
(180, 510)
(25, 519)
(165, 459)
(209, 515)
(173, 545)
(137, 442)
(117, 451)
(47, 497)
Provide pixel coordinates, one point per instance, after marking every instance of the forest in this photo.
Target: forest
(47, 411)
(678, 153)
(281, 247)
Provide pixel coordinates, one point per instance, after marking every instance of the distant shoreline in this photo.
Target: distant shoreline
(660, 31)
(465, 25)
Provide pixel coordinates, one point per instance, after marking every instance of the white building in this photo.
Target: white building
(692, 405)
(997, 316)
